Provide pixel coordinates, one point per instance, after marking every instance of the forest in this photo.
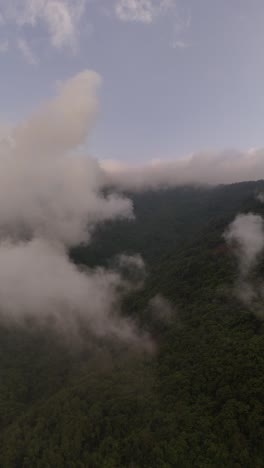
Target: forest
(196, 399)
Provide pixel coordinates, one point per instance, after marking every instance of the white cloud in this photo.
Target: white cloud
(61, 22)
(50, 200)
(201, 168)
(246, 235)
(148, 11)
(135, 10)
(26, 51)
(143, 11)
(60, 18)
(44, 190)
(38, 280)
(62, 123)
(260, 197)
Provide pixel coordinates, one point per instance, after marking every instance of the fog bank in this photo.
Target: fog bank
(202, 168)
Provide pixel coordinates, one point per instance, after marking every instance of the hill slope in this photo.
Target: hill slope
(196, 402)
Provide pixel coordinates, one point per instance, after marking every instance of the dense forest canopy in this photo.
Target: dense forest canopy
(195, 399)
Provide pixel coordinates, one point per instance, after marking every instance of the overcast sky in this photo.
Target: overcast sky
(178, 76)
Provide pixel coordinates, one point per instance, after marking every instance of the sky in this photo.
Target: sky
(178, 76)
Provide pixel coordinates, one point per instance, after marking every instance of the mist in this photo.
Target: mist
(245, 236)
(260, 197)
(161, 309)
(51, 199)
(207, 168)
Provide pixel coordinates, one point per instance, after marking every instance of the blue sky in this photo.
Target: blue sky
(178, 76)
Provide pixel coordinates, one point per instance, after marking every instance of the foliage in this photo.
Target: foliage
(196, 402)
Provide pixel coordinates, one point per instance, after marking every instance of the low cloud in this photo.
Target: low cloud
(161, 309)
(201, 168)
(50, 200)
(38, 280)
(245, 236)
(260, 197)
(45, 190)
(132, 268)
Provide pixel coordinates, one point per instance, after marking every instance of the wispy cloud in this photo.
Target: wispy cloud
(149, 11)
(60, 19)
(26, 50)
(143, 11)
(182, 23)
(180, 45)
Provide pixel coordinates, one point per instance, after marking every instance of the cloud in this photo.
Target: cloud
(38, 280)
(177, 44)
(45, 190)
(182, 21)
(260, 197)
(143, 11)
(26, 51)
(181, 24)
(4, 46)
(59, 18)
(148, 11)
(161, 309)
(246, 237)
(132, 268)
(62, 123)
(201, 168)
(50, 200)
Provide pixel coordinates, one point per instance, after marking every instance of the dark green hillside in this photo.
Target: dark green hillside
(167, 218)
(198, 401)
